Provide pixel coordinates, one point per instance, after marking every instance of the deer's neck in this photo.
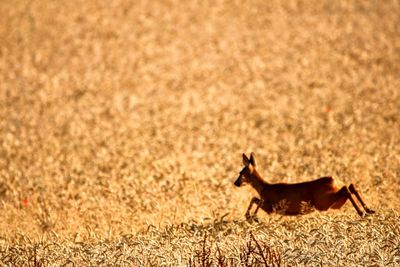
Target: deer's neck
(258, 182)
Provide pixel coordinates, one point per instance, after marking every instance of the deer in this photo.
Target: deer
(320, 194)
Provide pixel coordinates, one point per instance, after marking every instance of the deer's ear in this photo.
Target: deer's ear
(253, 159)
(246, 161)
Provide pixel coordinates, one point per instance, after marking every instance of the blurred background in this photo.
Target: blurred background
(119, 114)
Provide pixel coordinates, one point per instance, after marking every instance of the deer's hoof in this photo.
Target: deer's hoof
(369, 211)
(252, 218)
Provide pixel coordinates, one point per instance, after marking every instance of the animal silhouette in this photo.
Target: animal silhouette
(297, 198)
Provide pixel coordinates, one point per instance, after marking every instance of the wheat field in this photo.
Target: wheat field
(122, 125)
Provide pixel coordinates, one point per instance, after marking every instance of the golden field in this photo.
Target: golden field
(122, 125)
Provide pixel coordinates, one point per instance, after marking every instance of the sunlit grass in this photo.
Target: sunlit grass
(122, 126)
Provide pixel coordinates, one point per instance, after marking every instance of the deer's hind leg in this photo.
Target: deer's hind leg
(340, 197)
(355, 192)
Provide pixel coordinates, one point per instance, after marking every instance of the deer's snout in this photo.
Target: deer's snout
(238, 182)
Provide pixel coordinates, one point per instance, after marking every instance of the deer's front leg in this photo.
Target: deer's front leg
(259, 204)
(256, 201)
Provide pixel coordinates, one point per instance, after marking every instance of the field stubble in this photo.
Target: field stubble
(122, 126)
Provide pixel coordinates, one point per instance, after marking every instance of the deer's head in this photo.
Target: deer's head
(248, 170)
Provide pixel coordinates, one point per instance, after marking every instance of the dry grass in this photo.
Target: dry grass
(122, 126)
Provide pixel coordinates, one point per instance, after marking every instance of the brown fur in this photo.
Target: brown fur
(300, 198)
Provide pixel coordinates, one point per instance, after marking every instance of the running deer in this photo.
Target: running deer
(321, 194)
